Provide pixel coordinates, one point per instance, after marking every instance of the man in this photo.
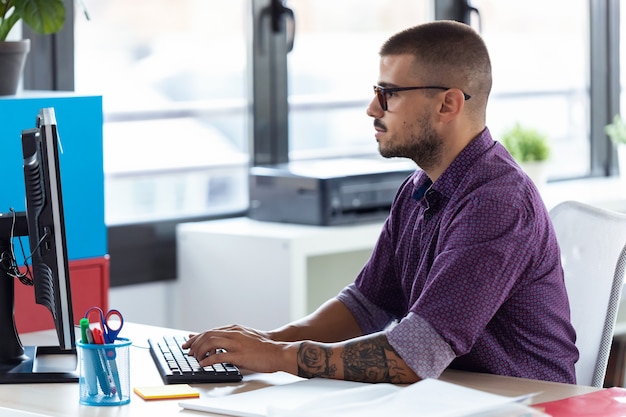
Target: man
(466, 273)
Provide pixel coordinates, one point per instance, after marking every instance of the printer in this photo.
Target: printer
(326, 192)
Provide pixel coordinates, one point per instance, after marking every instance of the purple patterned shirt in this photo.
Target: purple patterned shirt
(466, 274)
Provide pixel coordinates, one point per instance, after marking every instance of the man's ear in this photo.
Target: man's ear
(452, 105)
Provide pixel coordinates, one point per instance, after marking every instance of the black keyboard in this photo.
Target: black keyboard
(176, 367)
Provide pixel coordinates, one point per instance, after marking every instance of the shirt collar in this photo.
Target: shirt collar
(453, 175)
(422, 184)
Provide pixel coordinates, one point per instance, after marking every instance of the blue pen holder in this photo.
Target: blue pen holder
(104, 375)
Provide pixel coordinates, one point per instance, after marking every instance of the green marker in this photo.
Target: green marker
(90, 372)
(84, 325)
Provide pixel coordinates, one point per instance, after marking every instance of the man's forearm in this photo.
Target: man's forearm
(332, 322)
(365, 359)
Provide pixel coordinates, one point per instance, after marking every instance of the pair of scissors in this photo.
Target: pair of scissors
(110, 323)
(110, 326)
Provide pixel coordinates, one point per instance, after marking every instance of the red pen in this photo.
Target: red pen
(98, 338)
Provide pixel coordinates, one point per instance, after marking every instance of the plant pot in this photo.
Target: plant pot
(12, 60)
(537, 171)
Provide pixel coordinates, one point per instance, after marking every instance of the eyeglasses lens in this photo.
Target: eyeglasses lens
(382, 100)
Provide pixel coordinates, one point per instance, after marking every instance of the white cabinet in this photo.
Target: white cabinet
(264, 274)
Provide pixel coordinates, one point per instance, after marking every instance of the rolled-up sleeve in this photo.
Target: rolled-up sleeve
(369, 317)
(417, 343)
(420, 346)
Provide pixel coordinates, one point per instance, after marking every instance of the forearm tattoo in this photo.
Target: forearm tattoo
(366, 360)
(313, 361)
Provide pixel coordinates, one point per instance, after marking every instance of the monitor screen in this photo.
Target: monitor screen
(44, 225)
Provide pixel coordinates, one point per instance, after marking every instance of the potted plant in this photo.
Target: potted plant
(530, 148)
(42, 16)
(617, 132)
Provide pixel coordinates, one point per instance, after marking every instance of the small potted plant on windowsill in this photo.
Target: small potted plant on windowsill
(42, 16)
(531, 149)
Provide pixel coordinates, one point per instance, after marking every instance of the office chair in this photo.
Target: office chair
(593, 254)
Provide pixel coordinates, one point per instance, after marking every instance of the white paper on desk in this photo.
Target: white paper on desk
(257, 402)
(427, 398)
(330, 398)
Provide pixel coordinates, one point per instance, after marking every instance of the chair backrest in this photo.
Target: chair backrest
(592, 243)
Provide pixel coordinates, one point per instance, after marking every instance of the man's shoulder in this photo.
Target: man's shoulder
(500, 182)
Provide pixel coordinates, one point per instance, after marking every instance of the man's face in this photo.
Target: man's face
(406, 128)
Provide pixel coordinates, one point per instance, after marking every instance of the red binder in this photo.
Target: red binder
(609, 402)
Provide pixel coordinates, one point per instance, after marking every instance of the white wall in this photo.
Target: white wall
(153, 303)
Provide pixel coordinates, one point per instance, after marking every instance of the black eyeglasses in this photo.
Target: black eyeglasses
(384, 92)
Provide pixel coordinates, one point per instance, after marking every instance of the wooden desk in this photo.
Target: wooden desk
(511, 386)
(62, 399)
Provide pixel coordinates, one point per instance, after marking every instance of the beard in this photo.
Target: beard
(423, 144)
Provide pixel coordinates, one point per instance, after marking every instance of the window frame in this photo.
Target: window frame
(604, 83)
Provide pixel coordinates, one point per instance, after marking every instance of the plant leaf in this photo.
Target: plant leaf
(7, 23)
(526, 144)
(42, 16)
(616, 130)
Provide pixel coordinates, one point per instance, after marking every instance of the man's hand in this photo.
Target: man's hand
(242, 346)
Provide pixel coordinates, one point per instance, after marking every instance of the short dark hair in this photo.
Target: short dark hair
(453, 54)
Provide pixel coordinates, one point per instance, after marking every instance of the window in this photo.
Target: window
(540, 55)
(172, 76)
(333, 66)
(174, 91)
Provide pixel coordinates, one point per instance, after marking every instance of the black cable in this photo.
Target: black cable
(9, 261)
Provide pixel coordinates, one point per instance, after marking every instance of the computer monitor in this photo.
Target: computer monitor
(43, 223)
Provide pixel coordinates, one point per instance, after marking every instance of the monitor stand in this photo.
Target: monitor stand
(30, 364)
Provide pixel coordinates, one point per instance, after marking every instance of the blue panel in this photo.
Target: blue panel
(79, 122)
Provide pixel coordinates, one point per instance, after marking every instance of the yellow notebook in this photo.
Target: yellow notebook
(166, 392)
